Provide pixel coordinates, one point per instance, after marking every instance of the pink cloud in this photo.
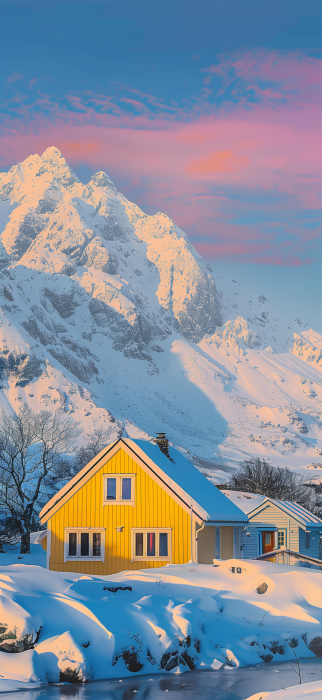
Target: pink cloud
(207, 167)
(294, 71)
(217, 162)
(291, 261)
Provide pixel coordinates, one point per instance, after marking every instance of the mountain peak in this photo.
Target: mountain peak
(52, 154)
(106, 311)
(53, 161)
(101, 179)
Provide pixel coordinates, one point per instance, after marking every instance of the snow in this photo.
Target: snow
(248, 502)
(183, 479)
(37, 556)
(297, 692)
(183, 476)
(113, 316)
(174, 618)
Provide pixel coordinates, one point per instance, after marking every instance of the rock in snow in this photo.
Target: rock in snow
(113, 316)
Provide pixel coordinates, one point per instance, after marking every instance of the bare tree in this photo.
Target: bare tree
(258, 476)
(31, 450)
(96, 441)
(9, 532)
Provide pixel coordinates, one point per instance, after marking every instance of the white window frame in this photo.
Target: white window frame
(284, 530)
(78, 531)
(144, 531)
(118, 501)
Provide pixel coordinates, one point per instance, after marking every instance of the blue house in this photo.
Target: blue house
(275, 525)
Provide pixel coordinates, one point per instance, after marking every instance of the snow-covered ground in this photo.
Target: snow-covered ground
(112, 316)
(68, 626)
(311, 691)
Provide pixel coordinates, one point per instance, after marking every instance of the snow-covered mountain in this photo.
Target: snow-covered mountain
(112, 315)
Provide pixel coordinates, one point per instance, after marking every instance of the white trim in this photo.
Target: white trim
(157, 530)
(119, 501)
(147, 464)
(168, 484)
(77, 481)
(79, 530)
(293, 516)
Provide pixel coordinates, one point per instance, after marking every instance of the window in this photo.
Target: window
(84, 543)
(118, 489)
(111, 489)
(307, 540)
(151, 543)
(281, 539)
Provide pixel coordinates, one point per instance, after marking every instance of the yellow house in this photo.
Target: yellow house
(135, 506)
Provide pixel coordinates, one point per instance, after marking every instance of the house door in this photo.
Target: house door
(226, 542)
(267, 542)
(206, 545)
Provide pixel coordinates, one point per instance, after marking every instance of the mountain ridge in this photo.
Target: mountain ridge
(114, 316)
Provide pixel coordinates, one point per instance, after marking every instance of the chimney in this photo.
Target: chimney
(163, 443)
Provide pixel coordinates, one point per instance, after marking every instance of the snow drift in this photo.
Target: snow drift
(173, 619)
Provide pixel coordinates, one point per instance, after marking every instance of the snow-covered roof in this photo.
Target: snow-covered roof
(36, 537)
(178, 476)
(248, 502)
(198, 491)
(245, 501)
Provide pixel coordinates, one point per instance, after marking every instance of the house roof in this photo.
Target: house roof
(201, 493)
(178, 476)
(245, 501)
(249, 502)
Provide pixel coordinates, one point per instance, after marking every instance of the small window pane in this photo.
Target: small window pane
(151, 544)
(84, 544)
(307, 540)
(139, 544)
(163, 544)
(281, 539)
(96, 544)
(126, 489)
(267, 538)
(111, 489)
(72, 544)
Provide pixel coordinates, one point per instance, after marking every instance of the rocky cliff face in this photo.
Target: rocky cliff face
(152, 281)
(113, 315)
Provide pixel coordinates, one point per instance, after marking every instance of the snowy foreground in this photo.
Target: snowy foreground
(313, 691)
(70, 627)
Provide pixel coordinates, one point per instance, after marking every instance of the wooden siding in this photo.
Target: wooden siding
(153, 508)
(276, 517)
(313, 549)
(206, 545)
(250, 544)
(43, 543)
(226, 542)
(271, 515)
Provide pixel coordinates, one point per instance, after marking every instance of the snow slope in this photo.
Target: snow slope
(113, 316)
(72, 627)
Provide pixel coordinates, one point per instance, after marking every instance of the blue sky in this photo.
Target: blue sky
(208, 111)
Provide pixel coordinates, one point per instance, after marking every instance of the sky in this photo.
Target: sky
(208, 111)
